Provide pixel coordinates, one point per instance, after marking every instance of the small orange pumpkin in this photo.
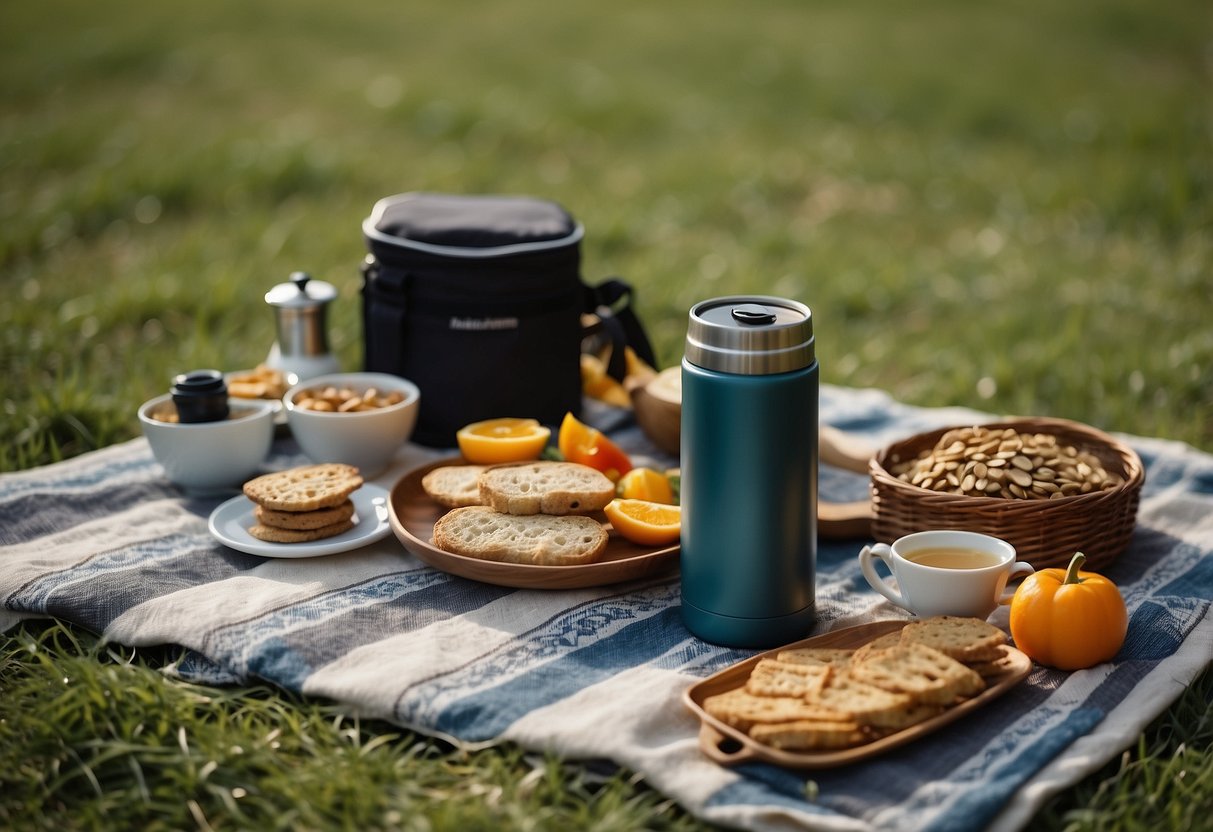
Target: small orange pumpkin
(1068, 619)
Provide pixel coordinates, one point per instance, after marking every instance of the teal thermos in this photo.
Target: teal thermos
(749, 472)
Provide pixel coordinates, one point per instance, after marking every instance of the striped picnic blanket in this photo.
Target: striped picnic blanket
(106, 542)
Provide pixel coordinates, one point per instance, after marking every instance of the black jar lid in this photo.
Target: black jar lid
(200, 396)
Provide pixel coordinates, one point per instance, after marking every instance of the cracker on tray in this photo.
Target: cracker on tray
(771, 677)
(836, 657)
(964, 639)
(809, 735)
(924, 673)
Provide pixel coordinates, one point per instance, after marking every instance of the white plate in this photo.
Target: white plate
(231, 521)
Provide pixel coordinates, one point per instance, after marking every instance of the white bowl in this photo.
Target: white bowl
(366, 439)
(210, 456)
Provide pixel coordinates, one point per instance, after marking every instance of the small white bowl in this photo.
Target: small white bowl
(210, 456)
(366, 439)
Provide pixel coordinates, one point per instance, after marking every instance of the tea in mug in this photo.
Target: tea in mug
(952, 557)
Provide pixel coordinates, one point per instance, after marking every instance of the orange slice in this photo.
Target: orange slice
(580, 443)
(646, 484)
(502, 440)
(645, 522)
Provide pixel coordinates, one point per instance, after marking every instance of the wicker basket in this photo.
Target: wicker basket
(1044, 533)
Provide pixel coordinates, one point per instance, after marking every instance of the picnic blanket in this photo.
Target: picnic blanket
(106, 542)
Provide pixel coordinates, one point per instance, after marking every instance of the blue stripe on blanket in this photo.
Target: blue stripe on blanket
(30, 516)
(562, 634)
(977, 806)
(102, 587)
(67, 479)
(287, 644)
(488, 713)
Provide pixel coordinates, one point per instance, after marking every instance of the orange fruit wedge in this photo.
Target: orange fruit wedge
(585, 445)
(502, 440)
(646, 484)
(645, 522)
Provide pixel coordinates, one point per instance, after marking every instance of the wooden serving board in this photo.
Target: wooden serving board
(728, 746)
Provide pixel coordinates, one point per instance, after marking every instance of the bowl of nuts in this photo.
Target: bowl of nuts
(1049, 487)
(360, 419)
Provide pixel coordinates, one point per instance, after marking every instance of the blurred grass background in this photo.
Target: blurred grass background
(1003, 206)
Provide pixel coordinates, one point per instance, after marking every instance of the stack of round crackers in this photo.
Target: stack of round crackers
(817, 699)
(303, 504)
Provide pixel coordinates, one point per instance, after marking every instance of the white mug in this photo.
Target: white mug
(973, 585)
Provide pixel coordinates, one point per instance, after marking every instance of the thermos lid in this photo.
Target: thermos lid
(301, 292)
(750, 335)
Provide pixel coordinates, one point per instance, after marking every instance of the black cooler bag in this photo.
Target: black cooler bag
(478, 300)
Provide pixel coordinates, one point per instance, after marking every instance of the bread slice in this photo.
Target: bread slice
(454, 486)
(545, 488)
(540, 539)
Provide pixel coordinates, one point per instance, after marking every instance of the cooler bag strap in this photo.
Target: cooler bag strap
(384, 307)
(611, 301)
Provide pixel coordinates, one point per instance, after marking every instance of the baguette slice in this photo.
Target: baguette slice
(454, 486)
(545, 488)
(539, 539)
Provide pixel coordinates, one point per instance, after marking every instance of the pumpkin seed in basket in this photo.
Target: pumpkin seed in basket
(1003, 463)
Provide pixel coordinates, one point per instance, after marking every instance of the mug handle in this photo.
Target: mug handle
(882, 551)
(1019, 567)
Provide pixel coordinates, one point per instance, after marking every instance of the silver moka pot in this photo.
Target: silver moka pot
(300, 306)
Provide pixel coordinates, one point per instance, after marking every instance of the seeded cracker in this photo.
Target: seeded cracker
(880, 643)
(271, 534)
(835, 657)
(304, 520)
(964, 639)
(925, 674)
(744, 710)
(775, 678)
(305, 488)
(809, 735)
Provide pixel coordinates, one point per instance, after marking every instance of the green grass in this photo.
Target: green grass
(1005, 206)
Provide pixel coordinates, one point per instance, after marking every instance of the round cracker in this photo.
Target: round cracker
(305, 488)
(274, 535)
(304, 520)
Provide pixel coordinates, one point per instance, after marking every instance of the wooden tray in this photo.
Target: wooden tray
(728, 746)
(412, 515)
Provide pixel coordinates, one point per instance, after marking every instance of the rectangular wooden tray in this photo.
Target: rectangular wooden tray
(728, 746)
